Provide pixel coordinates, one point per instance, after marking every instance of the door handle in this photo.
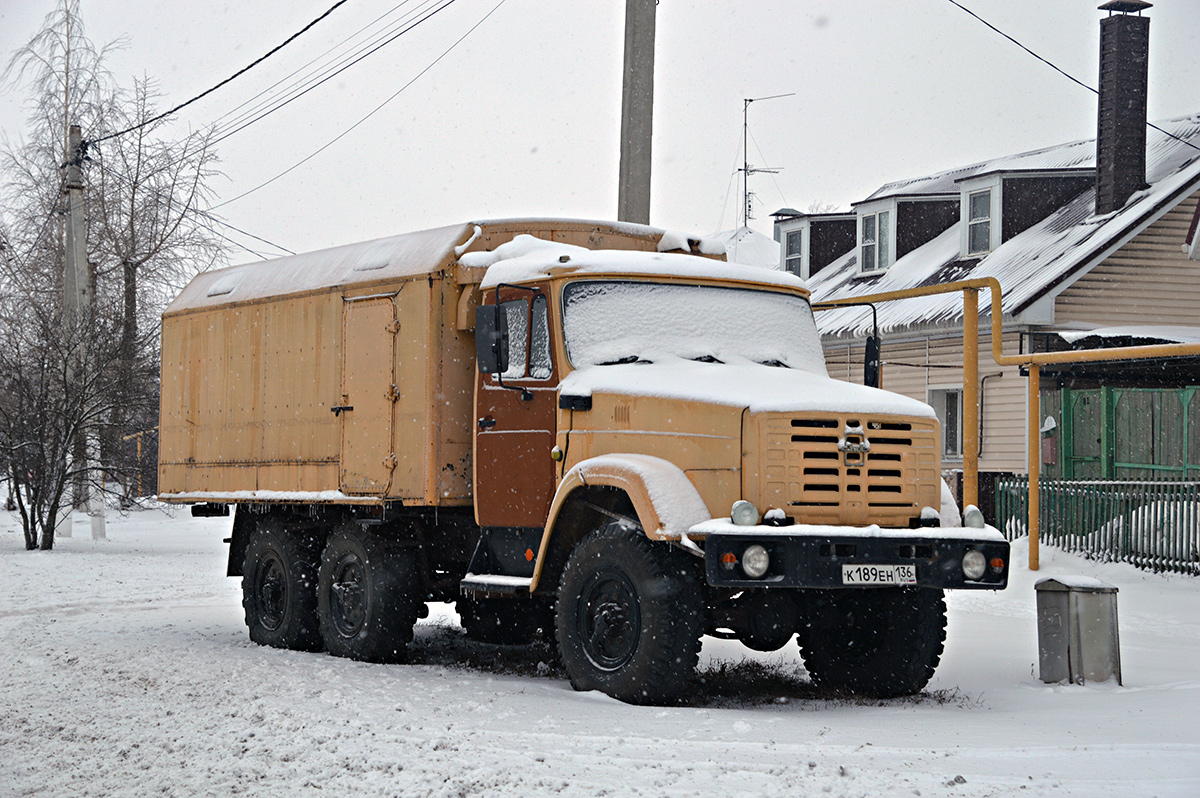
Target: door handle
(337, 410)
(486, 423)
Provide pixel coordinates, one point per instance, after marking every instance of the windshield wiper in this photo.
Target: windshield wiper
(779, 364)
(623, 360)
(707, 359)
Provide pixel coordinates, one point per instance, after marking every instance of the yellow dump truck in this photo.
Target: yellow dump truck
(596, 431)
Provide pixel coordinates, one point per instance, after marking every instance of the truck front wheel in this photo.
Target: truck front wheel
(367, 597)
(629, 617)
(279, 577)
(880, 642)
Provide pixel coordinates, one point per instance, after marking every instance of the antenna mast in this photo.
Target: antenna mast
(747, 170)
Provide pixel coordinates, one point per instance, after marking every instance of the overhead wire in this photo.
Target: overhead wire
(1066, 74)
(331, 60)
(446, 4)
(374, 111)
(235, 75)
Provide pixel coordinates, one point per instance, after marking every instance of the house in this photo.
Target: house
(1093, 245)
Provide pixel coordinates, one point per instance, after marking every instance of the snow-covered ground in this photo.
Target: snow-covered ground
(125, 670)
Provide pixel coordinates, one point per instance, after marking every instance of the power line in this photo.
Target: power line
(369, 115)
(1066, 74)
(240, 72)
(342, 69)
(387, 30)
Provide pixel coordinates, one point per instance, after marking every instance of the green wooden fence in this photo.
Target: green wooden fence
(1153, 525)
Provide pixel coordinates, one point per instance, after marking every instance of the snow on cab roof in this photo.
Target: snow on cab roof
(526, 258)
(383, 259)
(1047, 257)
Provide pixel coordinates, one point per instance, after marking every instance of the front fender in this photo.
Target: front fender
(666, 502)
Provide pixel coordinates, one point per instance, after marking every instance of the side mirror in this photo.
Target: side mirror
(871, 364)
(491, 339)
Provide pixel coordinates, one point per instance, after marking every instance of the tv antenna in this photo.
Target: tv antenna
(747, 169)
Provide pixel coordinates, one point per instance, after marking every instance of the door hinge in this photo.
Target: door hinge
(394, 327)
(390, 462)
(392, 394)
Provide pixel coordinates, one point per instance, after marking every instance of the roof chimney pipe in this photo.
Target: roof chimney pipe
(1121, 130)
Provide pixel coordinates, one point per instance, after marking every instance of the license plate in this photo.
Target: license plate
(879, 574)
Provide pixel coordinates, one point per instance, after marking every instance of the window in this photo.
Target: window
(979, 221)
(793, 259)
(874, 250)
(947, 404)
(528, 345)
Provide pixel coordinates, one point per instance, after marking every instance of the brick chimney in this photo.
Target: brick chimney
(1121, 131)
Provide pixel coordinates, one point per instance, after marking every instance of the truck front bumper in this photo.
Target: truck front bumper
(815, 556)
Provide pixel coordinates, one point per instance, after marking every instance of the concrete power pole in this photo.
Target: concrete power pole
(637, 112)
(77, 310)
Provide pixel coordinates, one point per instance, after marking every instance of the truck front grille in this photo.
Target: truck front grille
(850, 469)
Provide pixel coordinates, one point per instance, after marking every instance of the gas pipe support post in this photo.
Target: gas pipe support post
(970, 397)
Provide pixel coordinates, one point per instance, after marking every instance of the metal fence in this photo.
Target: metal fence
(1153, 525)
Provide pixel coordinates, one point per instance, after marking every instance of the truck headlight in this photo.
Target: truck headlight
(755, 561)
(743, 513)
(974, 564)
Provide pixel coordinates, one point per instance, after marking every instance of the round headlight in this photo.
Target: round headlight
(974, 564)
(755, 561)
(743, 513)
(973, 517)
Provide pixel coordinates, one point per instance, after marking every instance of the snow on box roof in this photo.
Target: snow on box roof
(384, 259)
(1048, 254)
(526, 258)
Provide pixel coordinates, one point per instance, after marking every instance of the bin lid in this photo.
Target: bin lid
(1074, 584)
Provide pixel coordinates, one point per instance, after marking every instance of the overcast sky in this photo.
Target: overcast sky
(523, 117)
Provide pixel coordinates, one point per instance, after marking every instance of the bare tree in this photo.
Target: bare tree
(145, 195)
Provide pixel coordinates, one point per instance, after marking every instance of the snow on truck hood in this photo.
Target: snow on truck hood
(760, 388)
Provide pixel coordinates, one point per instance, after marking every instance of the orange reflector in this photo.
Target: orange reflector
(997, 564)
(728, 560)
(529, 555)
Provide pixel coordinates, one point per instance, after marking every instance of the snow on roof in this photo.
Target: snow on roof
(1163, 332)
(526, 258)
(744, 245)
(1076, 154)
(1056, 250)
(382, 259)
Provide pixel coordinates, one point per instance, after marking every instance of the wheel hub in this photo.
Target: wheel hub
(272, 593)
(348, 609)
(609, 620)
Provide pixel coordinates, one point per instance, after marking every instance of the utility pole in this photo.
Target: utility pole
(77, 311)
(637, 113)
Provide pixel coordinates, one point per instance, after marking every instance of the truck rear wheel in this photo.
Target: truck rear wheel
(503, 621)
(367, 597)
(279, 578)
(628, 618)
(881, 642)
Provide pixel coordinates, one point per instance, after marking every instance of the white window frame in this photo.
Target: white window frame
(800, 260)
(974, 222)
(993, 184)
(885, 240)
(935, 396)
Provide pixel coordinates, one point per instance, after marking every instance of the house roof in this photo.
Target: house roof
(1059, 249)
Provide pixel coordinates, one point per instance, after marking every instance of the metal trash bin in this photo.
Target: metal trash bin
(1077, 630)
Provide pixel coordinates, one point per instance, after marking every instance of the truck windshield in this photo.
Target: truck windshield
(606, 322)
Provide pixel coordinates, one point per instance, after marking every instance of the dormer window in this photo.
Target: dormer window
(979, 221)
(793, 257)
(874, 250)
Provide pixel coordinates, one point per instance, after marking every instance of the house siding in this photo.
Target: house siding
(1148, 281)
(913, 367)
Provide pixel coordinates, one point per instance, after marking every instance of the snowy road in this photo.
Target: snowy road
(125, 670)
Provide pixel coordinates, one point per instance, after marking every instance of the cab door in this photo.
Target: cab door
(515, 417)
(369, 329)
